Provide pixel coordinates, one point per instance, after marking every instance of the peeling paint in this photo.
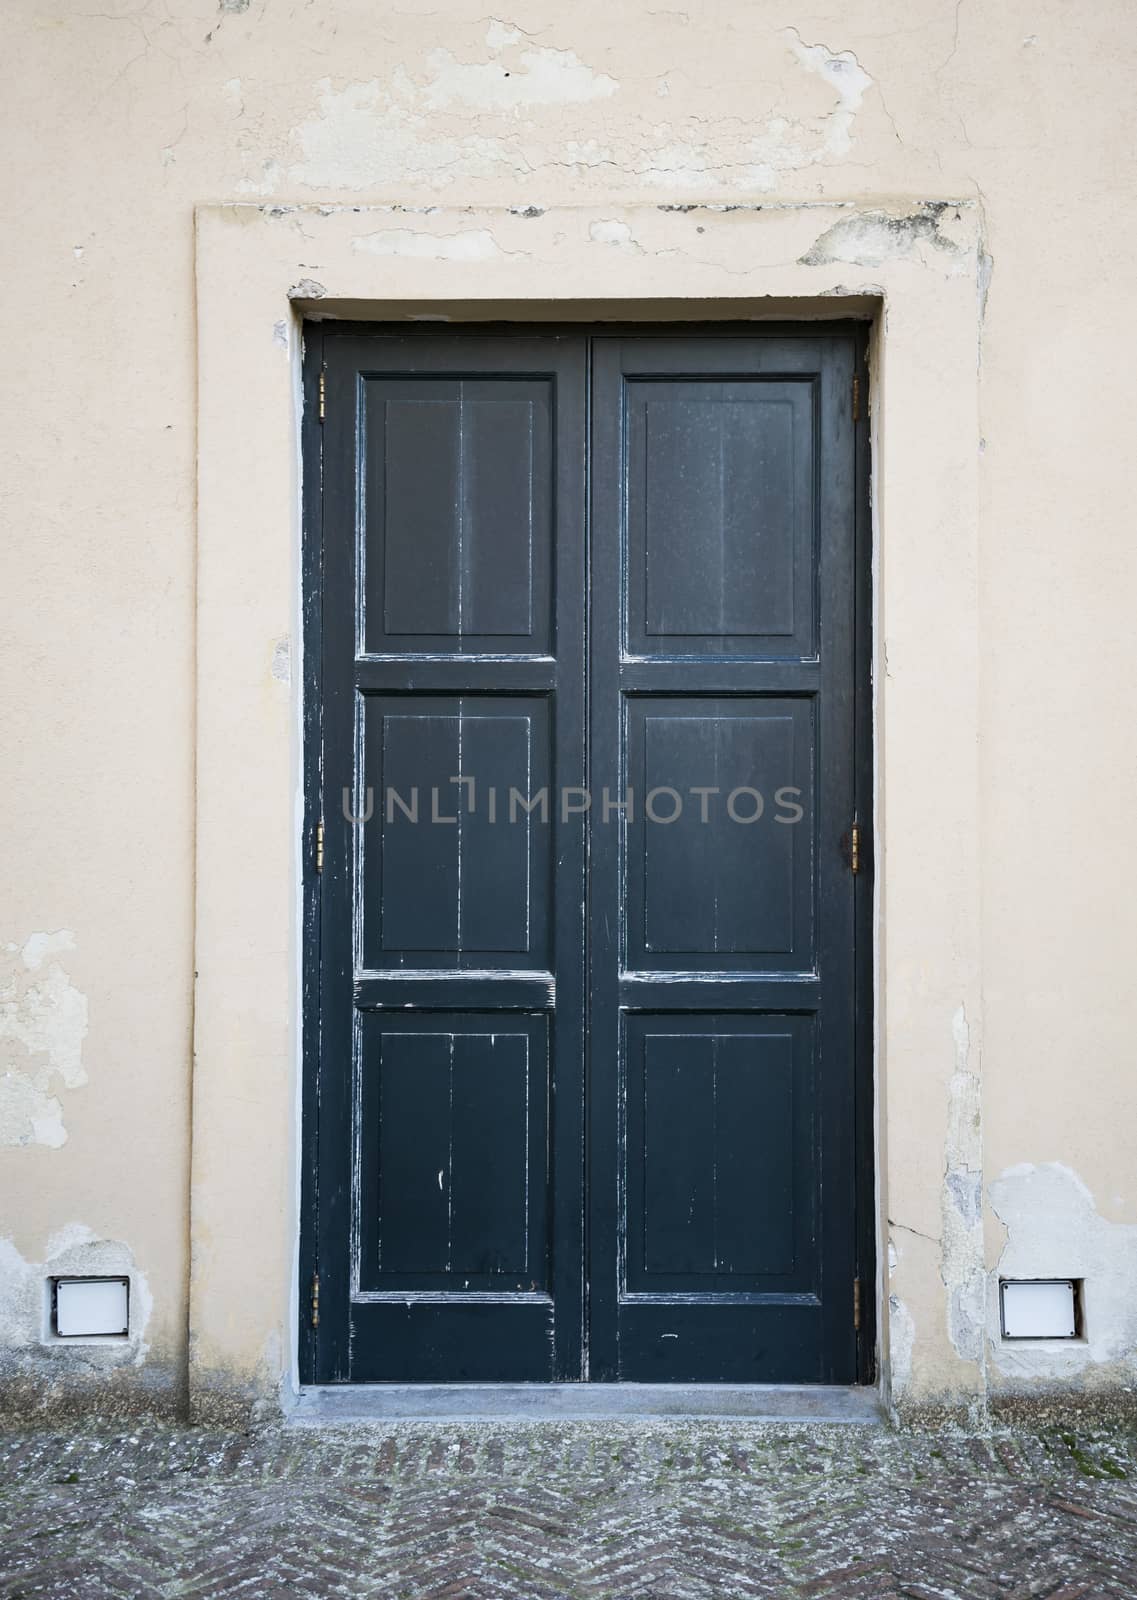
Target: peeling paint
(270, 176)
(901, 1342)
(384, 131)
(848, 79)
(901, 1333)
(962, 1259)
(544, 77)
(74, 1251)
(307, 289)
(612, 232)
(476, 245)
(871, 238)
(500, 34)
(986, 272)
(43, 1023)
(1054, 1230)
(415, 123)
(367, 135)
(281, 668)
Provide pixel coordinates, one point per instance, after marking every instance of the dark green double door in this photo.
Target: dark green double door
(587, 733)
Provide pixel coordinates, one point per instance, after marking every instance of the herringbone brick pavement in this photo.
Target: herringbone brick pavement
(539, 1511)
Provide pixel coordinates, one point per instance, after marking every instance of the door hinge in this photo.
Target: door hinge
(856, 1305)
(855, 848)
(320, 845)
(315, 1300)
(856, 397)
(323, 393)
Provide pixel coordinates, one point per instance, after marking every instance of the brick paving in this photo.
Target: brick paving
(670, 1510)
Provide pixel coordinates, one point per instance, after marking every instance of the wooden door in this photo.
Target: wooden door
(582, 952)
(722, 995)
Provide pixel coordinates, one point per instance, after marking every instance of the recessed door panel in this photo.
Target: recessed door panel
(456, 514)
(448, 881)
(720, 1164)
(720, 515)
(719, 858)
(453, 1155)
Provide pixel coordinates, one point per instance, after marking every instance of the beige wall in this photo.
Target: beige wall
(1009, 918)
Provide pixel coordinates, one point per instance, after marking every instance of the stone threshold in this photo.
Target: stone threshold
(320, 1405)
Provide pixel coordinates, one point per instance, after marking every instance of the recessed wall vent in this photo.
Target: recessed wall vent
(1041, 1308)
(90, 1308)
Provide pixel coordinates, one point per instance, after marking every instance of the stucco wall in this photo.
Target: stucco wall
(118, 123)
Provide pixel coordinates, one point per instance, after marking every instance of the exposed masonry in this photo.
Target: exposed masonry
(439, 120)
(43, 1023)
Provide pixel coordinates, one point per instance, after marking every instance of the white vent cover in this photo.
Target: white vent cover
(1039, 1308)
(90, 1307)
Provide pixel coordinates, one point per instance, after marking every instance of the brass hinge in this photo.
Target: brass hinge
(856, 1305)
(320, 845)
(855, 848)
(315, 1299)
(856, 397)
(323, 393)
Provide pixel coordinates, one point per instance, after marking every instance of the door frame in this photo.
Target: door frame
(865, 1154)
(255, 280)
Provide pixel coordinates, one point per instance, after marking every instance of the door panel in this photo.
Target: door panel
(444, 886)
(719, 865)
(454, 1155)
(623, 564)
(721, 1019)
(721, 1154)
(457, 514)
(735, 456)
(451, 924)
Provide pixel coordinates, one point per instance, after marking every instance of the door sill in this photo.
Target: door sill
(320, 1405)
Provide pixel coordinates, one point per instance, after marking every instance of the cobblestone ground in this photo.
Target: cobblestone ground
(594, 1510)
